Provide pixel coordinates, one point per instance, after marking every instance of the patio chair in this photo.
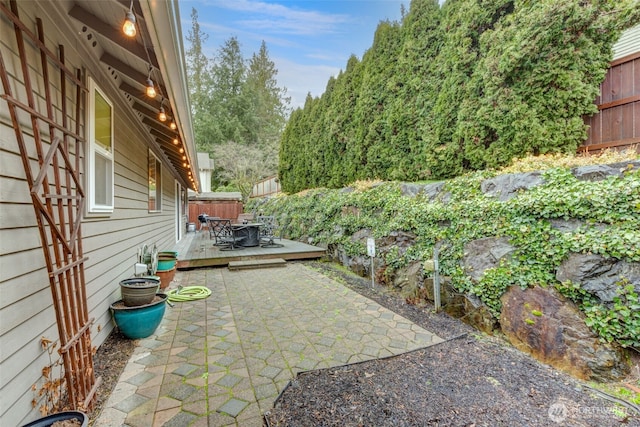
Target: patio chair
(226, 236)
(212, 233)
(269, 231)
(218, 230)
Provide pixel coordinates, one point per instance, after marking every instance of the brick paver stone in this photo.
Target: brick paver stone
(250, 337)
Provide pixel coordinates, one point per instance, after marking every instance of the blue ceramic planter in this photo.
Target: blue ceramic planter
(141, 321)
(166, 264)
(61, 416)
(167, 260)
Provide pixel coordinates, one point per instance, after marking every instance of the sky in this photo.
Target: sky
(308, 40)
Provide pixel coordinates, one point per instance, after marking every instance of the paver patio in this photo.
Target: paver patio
(222, 361)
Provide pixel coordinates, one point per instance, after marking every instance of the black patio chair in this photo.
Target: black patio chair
(269, 230)
(212, 232)
(226, 236)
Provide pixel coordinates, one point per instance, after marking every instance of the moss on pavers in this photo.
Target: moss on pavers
(260, 331)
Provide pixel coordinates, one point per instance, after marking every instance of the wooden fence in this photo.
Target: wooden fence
(617, 124)
(267, 187)
(221, 208)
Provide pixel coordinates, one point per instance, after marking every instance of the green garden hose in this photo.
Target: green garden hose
(188, 293)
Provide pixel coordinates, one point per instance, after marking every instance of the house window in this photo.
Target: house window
(100, 155)
(155, 184)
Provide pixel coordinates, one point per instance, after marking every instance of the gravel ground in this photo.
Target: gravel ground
(469, 380)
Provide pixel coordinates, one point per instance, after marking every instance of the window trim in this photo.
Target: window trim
(157, 180)
(93, 149)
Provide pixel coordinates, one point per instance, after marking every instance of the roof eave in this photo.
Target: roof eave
(170, 52)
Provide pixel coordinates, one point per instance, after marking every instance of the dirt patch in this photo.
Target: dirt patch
(108, 363)
(470, 380)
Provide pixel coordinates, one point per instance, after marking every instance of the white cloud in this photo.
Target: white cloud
(283, 19)
(301, 79)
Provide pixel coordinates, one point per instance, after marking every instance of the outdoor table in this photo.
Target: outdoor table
(250, 232)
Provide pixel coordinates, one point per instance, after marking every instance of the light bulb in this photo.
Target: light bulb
(129, 25)
(151, 90)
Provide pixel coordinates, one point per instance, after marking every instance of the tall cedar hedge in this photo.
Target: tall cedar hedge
(466, 86)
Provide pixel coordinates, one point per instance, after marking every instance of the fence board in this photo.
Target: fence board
(617, 125)
(626, 79)
(221, 208)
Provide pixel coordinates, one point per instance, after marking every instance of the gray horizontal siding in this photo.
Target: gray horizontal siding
(110, 242)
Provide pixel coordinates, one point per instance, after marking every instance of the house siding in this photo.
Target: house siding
(110, 242)
(628, 43)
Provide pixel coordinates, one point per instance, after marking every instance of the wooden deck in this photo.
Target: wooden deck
(196, 250)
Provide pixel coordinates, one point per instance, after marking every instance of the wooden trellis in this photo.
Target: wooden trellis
(50, 144)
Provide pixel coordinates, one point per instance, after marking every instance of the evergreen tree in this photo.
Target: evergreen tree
(535, 78)
(200, 87)
(345, 146)
(269, 105)
(377, 94)
(465, 86)
(232, 105)
(416, 86)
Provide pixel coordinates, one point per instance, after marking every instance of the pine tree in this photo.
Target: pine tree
(200, 87)
(269, 105)
(231, 104)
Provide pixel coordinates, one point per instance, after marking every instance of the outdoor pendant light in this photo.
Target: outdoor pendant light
(172, 125)
(129, 25)
(151, 90)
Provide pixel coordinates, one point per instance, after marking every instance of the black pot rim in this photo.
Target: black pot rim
(60, 416)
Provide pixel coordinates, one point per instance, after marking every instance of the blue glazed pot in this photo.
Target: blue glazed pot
(141, 321)
(166, 264)
(167, 260)
(60, 416)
